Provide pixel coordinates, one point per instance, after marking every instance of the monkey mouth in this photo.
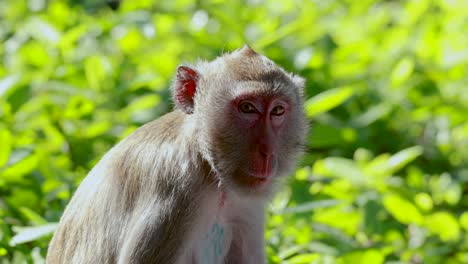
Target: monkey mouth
(258, 182)
(259, 176)
(262, 168)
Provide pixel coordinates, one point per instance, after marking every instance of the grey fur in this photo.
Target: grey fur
(151, 196)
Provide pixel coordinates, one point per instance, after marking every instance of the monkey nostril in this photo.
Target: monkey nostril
(264, 150)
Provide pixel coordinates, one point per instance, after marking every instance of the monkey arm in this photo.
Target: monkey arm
(157, 232)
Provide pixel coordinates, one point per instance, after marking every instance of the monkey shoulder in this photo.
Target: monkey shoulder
(157, 156)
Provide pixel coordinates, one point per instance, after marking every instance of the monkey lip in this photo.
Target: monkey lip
(256, 182)
(258, 178)
(262, 168)
(261, 174)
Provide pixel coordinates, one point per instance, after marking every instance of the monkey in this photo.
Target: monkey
(192, 186)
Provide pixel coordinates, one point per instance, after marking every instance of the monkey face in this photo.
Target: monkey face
(249, 117)
(255, 135)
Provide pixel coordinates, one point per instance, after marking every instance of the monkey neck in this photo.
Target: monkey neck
(222, 196)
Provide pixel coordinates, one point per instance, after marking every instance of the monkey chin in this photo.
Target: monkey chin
(256, 183)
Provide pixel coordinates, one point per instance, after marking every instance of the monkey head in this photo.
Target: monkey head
(247, 114)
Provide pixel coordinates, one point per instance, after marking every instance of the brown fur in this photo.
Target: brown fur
(149, 197)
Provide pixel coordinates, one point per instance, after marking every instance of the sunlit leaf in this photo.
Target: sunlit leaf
(403, 157)
(342, 168)
(464, 220)
(404, 211)
(303, 258)
(43, 30)
(8, 82)
(402, 71)
(424, 201)
(96, 129)
(32, 216)
(333, 216)
(6, 146)
(95, 71)
(131, 40)
(444, 225)
(28, 234)
(372, 114)
(370, 256)
(327, 100)
(21, 162)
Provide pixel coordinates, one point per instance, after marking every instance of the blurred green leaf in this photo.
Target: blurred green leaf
(404, 211)
(8, 82)
(310, 206)
(424, 201)
(95, 71)
(42, 30)
(304, 258)
(464, 220)
(444, 225)
(402, 71)
(371, 256)
(403, 157)
(32, 216)
(340, 167)
(6, 146)
(327, 100)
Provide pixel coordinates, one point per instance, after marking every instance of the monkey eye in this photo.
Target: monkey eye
(247, 108)
(277, 110)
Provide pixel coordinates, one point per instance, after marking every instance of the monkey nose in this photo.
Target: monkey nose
(265, 150)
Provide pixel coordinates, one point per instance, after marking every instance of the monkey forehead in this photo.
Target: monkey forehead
(243, 64)
(262, 89)
(253, 68)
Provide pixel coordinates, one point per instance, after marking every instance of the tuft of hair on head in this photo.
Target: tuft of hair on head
(246, 50)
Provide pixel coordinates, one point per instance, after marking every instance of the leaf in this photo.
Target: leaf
(403, 157)
(310, 206)
(341, 168)
(6, 145)
(303, 258)
(21, 162)
(372, 114)
(402, 71)
(18, 155)
(95, 71)
(43, 31)
(371, 256)
(464, 220)
(28, 234)
(8, 82)
(334, 216)
(444, 225)
(424, 201)
(403, 211)
(95, 129)
(32, 216)
(327, 100)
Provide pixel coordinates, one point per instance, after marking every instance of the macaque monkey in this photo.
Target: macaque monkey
(191, 186)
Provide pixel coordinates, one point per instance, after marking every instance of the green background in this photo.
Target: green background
(385, 175)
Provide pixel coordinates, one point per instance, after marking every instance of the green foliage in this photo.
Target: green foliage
(385, 174)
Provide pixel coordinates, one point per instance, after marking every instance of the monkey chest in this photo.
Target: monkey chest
(213, 243)
(209, 243)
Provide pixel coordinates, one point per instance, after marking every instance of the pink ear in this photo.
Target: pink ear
(185, 87)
